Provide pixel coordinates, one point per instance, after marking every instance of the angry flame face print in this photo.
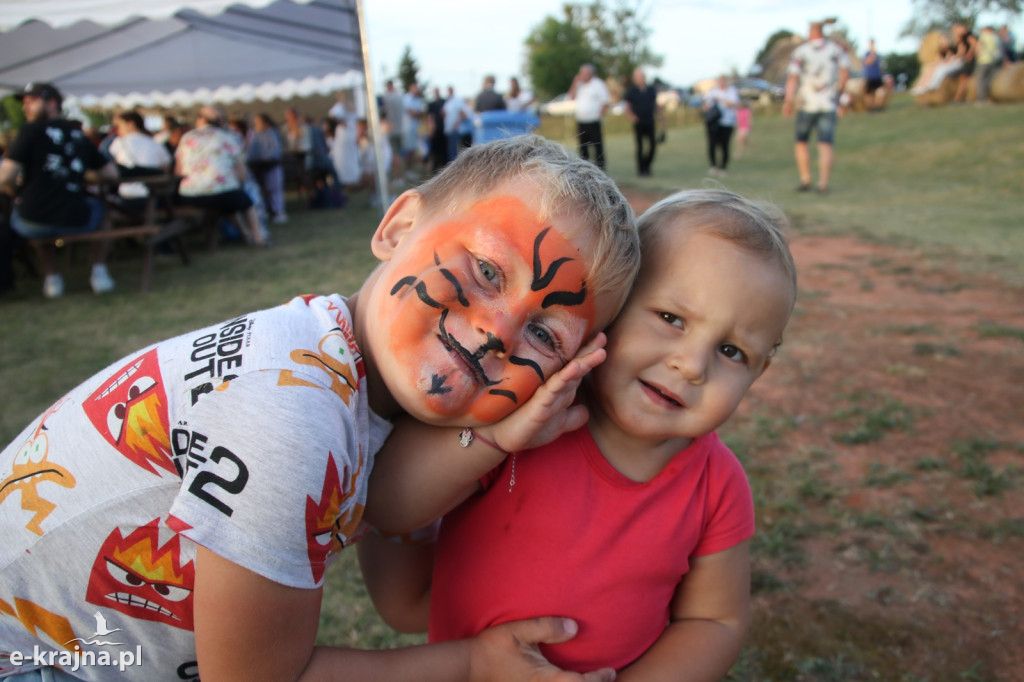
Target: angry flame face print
(142, 578)
(130, 411)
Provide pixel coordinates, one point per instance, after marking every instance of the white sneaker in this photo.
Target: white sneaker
(280, 218)
(100, 280)
(53, 286)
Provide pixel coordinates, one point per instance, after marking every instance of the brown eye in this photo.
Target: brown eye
(732, 352)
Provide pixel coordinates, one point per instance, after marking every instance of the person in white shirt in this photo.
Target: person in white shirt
(592, 100)
(455, 111)
(719, 132)
(412, 106)
(517, 99)
(817, 72)
(136, 153)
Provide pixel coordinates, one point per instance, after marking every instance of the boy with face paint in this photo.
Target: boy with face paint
(638, 525)
(194, 493)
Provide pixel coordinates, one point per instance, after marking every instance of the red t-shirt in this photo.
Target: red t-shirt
(574, 537)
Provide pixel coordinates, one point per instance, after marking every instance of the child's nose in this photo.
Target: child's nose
(494, 334)
(491, 344)
(691, 362)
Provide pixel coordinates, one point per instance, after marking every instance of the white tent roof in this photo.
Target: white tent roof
(174, 57)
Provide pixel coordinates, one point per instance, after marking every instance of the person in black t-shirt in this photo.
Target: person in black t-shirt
(641, 107)
(54, 160)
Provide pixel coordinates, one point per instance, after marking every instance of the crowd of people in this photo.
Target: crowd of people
(960, 54)
(240, 165)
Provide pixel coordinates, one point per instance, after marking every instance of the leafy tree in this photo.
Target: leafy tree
(931, 15)
(902, 63)
(408, 69)
(616, 42)
(621, 42)
(11, 116)
(762, 55)
(555, 49)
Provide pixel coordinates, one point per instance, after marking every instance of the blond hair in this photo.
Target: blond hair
(757, 227)
(571, 186)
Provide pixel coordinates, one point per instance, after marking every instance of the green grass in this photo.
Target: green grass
(944, 182)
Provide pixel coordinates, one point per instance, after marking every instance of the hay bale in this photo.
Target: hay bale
(855, 88)
(927, 56)
(929, 50)
(939, 96)
(1008, 83)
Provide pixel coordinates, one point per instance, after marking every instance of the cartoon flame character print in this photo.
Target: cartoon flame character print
(138, 576)
(327, 526)
(330, 357)
(130, 411)
(31, 468)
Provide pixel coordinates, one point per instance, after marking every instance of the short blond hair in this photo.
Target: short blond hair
(758, 227)
(570, 184)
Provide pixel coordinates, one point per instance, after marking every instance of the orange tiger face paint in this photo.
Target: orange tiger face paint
(476, 309)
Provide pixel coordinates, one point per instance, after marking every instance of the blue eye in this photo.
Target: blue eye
(543, 336)
(487, 270)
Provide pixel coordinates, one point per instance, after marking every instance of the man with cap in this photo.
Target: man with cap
(54, 161)
(817, 76)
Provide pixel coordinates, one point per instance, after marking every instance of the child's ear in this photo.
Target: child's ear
(397, 223)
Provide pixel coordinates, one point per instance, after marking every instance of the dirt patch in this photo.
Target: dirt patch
(885, 449)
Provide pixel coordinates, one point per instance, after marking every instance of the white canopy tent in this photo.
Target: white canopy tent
(180, 53)
(241, 53)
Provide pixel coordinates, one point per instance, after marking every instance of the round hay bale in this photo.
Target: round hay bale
(939, 96)
(928, 55)
(1008, 83)
(929, 50)
(855, 88)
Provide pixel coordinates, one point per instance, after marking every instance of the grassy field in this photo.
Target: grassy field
(943, 182)
(943, 179)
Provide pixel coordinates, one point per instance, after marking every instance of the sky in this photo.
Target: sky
(458, 42)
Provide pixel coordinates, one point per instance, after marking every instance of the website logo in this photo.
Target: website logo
(78, 656)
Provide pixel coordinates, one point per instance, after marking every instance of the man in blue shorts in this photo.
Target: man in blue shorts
(817, 75)
(54, 160)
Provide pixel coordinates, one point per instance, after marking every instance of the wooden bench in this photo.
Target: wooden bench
(150, 237)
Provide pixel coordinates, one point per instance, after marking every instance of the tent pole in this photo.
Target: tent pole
(373, 114)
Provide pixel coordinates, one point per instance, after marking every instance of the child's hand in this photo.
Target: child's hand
(509, 652)
(550, 412)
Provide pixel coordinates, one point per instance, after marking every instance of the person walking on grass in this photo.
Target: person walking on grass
(592, 100)
(817, 75)
(641, 107)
